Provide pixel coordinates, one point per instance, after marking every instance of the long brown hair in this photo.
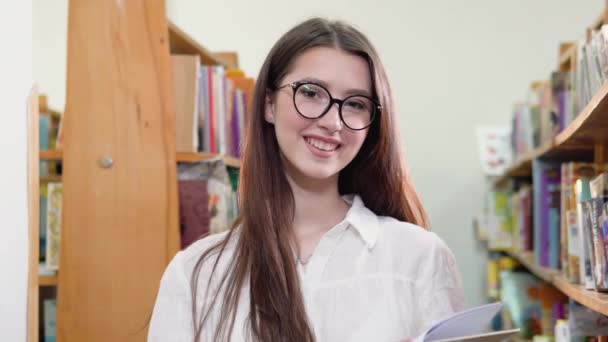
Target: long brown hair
(262, 234)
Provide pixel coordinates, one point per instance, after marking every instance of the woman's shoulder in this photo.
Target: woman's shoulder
(186, 260)
(419, 244)
(418, 251)
(402, 233)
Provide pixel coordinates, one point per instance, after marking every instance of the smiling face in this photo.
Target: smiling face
(318, 149)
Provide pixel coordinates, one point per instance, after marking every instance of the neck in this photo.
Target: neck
(318, 205)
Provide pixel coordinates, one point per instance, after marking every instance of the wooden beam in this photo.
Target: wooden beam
(230, 57)
(120, 222)
(600, 153)
(33, 200)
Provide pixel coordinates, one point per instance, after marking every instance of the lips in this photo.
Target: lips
(323, 145)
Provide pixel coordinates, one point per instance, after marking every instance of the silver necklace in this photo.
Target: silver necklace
(304, 261)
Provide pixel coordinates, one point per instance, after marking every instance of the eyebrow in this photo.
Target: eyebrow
(348, 92)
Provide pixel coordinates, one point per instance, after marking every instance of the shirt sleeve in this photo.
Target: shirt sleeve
(440, 286)
(172, 315)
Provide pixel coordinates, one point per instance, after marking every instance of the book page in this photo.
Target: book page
(469, 322)
(495, 336)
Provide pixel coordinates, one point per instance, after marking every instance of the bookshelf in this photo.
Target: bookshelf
(594, 300)
(583, 138)
(120, 223)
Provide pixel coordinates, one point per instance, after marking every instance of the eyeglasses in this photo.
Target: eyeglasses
(312, 101)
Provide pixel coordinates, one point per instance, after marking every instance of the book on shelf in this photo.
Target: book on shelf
(49, 319)
(194, 210)
(598, 215)
(49, 139)
(185, 71)
(43, 212)
(207, 199)
(211, 106)
(546, 198)
(570, 229)
(522, 230)
(53, 224)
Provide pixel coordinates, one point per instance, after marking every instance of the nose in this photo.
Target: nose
(331, 120)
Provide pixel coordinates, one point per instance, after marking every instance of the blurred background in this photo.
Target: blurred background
(473, 81)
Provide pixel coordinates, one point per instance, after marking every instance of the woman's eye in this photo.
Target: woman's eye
(355, 105)
(309, 92)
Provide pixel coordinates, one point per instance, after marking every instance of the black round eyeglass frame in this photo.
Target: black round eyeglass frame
(295, 85)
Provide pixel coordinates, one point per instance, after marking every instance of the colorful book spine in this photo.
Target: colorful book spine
(546, 180)
(44, 127)
(236, 123)
(599, 196)
(212, 109)
(583, 195)
(53, 224)
(43, 215)
(49, 316)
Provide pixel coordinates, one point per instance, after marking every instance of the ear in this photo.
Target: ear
(269, 109)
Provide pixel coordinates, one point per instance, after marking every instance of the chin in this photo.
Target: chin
(313, 171)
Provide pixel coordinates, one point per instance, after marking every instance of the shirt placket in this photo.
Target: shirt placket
(311, 274)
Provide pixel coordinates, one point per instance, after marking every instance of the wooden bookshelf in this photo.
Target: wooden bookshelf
(120, 224)
(33, 208)
(47, 281)
(578, 141)
(182, 43)
(51, 155)
(194, 157)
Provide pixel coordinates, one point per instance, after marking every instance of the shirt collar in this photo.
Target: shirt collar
(363, 220)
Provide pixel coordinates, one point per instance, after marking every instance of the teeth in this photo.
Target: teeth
(321, 145)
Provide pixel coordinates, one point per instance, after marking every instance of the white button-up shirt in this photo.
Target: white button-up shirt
(371, 278)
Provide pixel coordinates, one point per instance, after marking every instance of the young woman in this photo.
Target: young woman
(332, 241)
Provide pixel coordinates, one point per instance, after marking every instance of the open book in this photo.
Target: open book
(467, 325)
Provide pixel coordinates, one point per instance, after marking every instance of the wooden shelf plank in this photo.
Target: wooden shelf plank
(181, 43)
(47, 281)
(51, 154)
(49, 179)
(194, 157)
(180, 157)
(233, 162)
(527, 259)
(594, 300)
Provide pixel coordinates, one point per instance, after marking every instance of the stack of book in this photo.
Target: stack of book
(211, 106)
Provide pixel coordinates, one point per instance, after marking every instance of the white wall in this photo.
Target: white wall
(15, 85)
(50, 31)
(452, 64)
